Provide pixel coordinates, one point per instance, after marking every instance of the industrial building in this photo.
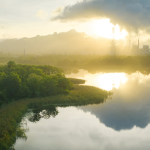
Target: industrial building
(136, 50)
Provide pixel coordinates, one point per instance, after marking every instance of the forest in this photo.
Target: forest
(91, 63)
(29, 81)
(79, 61)
(26, 87)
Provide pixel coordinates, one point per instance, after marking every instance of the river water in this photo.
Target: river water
(121, 123)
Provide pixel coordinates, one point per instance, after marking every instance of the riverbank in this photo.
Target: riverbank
(11, 114)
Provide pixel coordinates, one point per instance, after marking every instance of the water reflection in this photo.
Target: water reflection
(43, 112)
(34, 116)
(106, 81)
(72, 125)
(129, 106)
(111, 125)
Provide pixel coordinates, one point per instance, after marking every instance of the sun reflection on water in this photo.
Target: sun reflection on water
(107, 81)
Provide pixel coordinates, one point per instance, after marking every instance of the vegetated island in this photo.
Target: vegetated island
(29, 86)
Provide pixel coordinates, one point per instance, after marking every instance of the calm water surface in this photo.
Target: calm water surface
(122, 123)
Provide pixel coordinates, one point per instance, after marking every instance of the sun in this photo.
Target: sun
(103, 28)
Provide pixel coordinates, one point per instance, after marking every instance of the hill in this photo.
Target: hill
(71, 42)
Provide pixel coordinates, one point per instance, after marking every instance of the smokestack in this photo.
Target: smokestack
(138, 44)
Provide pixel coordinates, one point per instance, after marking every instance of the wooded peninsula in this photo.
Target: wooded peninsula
(29, 86)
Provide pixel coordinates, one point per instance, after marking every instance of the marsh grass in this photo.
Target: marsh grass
(77, 81)
(12, 113)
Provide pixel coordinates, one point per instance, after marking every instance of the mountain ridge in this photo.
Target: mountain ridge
(71, 42)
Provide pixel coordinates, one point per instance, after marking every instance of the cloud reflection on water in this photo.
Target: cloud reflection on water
(120, 123)
(129, 106)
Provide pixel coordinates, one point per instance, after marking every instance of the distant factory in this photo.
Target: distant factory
(136, 50)
(131, 49)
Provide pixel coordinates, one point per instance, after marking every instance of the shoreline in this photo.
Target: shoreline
(12, 113)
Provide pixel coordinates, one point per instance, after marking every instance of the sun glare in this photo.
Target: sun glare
(107, 81)
(111, 80)
(103, 28)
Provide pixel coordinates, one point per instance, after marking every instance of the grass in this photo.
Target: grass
(11, 114)
(77, 81)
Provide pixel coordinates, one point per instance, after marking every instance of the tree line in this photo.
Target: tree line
(28, 81)
(81, 60)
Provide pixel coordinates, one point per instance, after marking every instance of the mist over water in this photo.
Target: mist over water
(120, 123)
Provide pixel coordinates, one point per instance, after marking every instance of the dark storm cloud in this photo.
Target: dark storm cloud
(131, 14)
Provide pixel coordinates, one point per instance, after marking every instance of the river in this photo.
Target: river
(121, 123)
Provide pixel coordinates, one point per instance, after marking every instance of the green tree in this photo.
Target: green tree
(64, 84)
(49, 86)
(11, 85)
(11, 64)
(2, 98)
(34, 84)
(25, 91)
(36, 71)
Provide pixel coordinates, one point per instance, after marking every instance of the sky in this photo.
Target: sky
(28, 18)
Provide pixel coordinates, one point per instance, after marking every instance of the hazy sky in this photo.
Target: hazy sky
(27, 18)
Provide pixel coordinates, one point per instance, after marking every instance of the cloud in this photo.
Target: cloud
(130, 14)
(57, 11)
(42, 14)
(126, 109)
